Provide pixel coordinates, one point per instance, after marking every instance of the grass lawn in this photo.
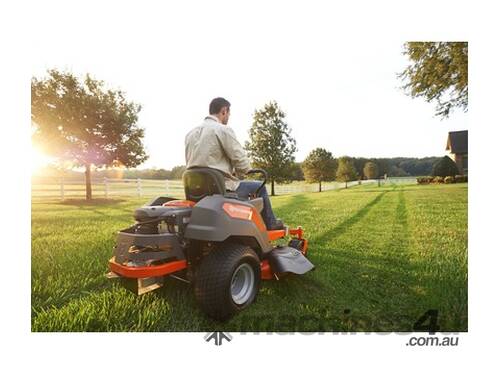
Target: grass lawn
(383, 255)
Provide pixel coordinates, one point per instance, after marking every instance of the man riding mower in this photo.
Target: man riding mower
(212, 239)
(213, 144)
(216, 239)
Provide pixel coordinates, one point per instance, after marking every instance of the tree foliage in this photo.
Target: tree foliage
(398, 166)
(296, 173)
(396, 171)
(177, 172)
(271, 147)
(319, 166)
(439, 73)
(370, 170)
(82, 122)
(445, 167)
(345, 170)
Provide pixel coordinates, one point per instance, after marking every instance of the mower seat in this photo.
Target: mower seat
(200, 182)
(258, 203)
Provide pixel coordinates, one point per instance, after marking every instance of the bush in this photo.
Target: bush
(440, 180)
(424, 180)
(444, 167)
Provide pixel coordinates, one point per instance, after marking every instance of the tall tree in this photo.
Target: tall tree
(439, 73)
(445, 167)
(345, 170)
(319, 166)
(370, 170)
(271, 147)
(82, 122)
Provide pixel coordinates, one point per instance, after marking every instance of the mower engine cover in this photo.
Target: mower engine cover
(157, 212)
(210, 221)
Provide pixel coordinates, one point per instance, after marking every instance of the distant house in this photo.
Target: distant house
(457, 148)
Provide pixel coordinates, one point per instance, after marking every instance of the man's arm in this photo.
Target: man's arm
(234, 151)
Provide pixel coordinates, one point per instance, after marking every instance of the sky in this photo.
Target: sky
(338, 86)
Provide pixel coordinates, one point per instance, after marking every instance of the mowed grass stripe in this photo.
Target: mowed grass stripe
(370, 270)
(438, 223)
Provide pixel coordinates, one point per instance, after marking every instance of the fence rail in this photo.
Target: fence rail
(53, 188)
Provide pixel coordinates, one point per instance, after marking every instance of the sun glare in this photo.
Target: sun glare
(38, 160)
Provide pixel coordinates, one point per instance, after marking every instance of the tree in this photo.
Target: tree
(82, 122)
(445, 167)
(418, 167)
(383, 165)
(359, 164)
(296, 173)
(439, 73)
(345, 170)
(161, 174)
(370, 170)
(395, 171)
(319, 166)
(271, 147)
(177, 171)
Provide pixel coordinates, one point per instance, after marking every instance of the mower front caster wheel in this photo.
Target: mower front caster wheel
(227, 281)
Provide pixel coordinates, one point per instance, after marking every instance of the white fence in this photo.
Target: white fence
(301, 187)
(105, 188)
(110, 188)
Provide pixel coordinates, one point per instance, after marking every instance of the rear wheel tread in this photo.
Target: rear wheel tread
(213, 280)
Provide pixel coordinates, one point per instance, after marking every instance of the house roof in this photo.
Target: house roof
(457, 142)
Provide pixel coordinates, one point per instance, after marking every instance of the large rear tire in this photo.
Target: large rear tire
(227, 281)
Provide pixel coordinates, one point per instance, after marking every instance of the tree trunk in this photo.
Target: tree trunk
(346, 183)
(272, 187)
(320, 186)
(88, 185)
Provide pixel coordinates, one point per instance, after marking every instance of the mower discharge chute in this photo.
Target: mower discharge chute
(212, 239)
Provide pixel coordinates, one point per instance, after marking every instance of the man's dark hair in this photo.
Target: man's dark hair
(217, 104)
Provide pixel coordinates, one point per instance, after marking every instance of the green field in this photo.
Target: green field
(383, 256)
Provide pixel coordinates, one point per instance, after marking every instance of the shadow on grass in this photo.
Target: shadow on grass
(350, 221)
(294, 204)
(374, 286)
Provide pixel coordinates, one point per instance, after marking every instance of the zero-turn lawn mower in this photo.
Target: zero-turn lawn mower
(212, 239)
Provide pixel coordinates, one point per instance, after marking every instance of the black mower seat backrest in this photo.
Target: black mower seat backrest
(201, 182)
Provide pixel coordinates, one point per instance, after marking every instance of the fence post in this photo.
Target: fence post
(106, 191)
(62, 188)
(166, 186)
(139, 187)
